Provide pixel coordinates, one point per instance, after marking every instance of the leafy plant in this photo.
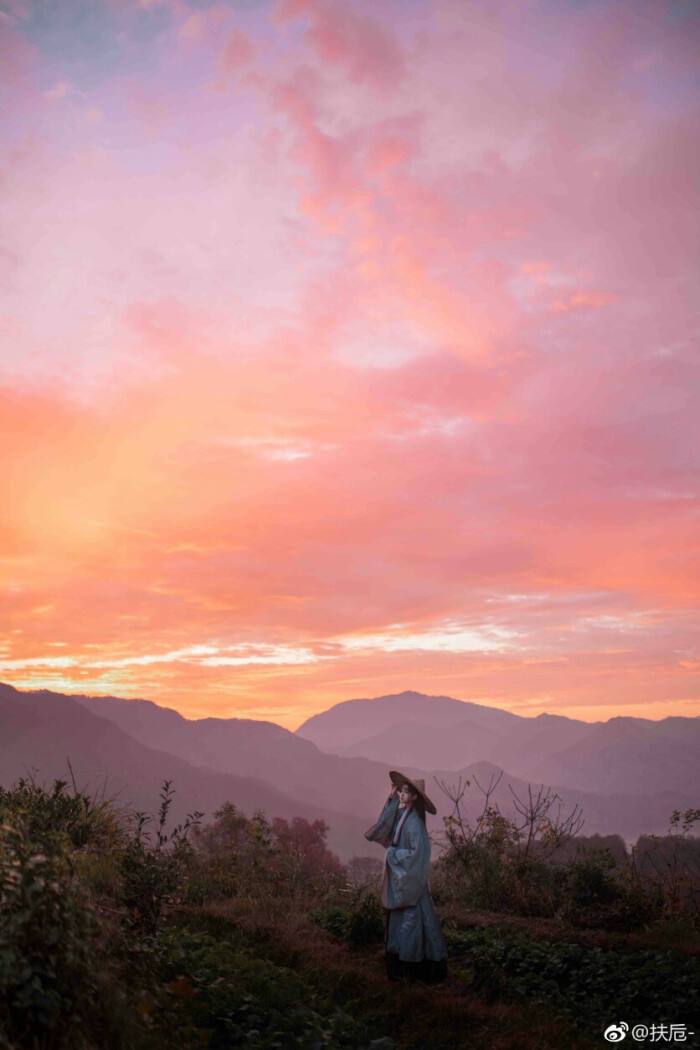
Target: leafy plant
(55, 987)
(154, 873)
(588, 984)
(358, 922)
(258, 859)
(219, 990)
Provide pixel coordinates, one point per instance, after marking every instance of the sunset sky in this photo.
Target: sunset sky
(351, 347)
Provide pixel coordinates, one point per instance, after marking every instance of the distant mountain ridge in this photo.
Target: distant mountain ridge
(622, 755)
(41, 732)
(345, 723)
(260, 765)
(262, 750)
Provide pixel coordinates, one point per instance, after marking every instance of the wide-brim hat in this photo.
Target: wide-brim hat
(399, 779)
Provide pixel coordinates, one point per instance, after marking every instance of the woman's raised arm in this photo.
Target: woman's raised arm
(381, 831)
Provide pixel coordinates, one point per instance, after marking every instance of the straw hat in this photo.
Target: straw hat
(399, 779)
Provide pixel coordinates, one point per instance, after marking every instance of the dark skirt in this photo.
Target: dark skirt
(406, 932)
(431, 971)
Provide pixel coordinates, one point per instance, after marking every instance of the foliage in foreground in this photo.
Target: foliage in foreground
(53, 966)
(586, 983)
(535, 864)
(100, 946)
(87, 957)
(224, 994)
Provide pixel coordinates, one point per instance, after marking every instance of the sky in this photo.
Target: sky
(348, 348)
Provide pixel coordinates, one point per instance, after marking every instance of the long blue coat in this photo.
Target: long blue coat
(413, 931)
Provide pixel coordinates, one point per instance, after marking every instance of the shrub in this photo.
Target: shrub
(154, 873)
(364, 872)
(671, 863)
(55, 987)
(359, 922)
(596, 897)
(302, 852)
(253, 858)
(333, 919)
(220, 992)
(48, 814)
(45, 937)
(535, 865)
(366, 925)
(499, 862)
(573, 848)
(494, 881)
(588, 984)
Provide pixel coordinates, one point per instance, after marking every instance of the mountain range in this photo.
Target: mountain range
(620, 755)
(50, 736)
(626, 774)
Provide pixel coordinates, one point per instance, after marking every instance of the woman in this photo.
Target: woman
(415, 947)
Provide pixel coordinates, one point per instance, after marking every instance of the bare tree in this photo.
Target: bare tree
(537, 822)
(501, 856)
(539, 825)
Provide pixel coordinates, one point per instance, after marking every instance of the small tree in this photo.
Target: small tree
(497, 855)
(306, 860)
(672, 863)
(153, 872)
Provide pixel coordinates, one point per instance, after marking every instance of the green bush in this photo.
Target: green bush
(593, 891)
(597, 896)
(495, 881)
(257, 859)
(358, 922)
(48, 815)
(220, 993)
(56, 973)
(333, 919)
(154, 873)
(77, 895)
(46, 935)
(671, 863)
(366, 920)
(588, 984)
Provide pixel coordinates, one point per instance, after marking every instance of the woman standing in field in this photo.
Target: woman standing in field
(415, 947)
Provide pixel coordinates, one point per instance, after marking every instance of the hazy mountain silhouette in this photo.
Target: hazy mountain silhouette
(447, 747)
(519, 746)
(350, 721)
(357, 786)
(229, 745)
(249, 748)
(631, 755)
(136, 744)
(622, 755)
(40, 732)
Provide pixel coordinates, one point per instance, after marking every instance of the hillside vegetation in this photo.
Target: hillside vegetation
(118, 930)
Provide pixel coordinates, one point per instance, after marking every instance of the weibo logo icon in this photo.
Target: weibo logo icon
(615, 1033)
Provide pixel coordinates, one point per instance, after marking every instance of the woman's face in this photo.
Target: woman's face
(406, 795)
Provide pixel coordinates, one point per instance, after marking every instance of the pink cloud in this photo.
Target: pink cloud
(238, 51)
(399, 331)
(355, 42)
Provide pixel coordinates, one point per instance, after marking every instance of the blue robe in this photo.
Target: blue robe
(413, 928)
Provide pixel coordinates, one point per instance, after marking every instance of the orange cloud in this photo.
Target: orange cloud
(581, 301)
(359, 377)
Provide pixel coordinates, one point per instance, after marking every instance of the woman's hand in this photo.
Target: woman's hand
(394, 791)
